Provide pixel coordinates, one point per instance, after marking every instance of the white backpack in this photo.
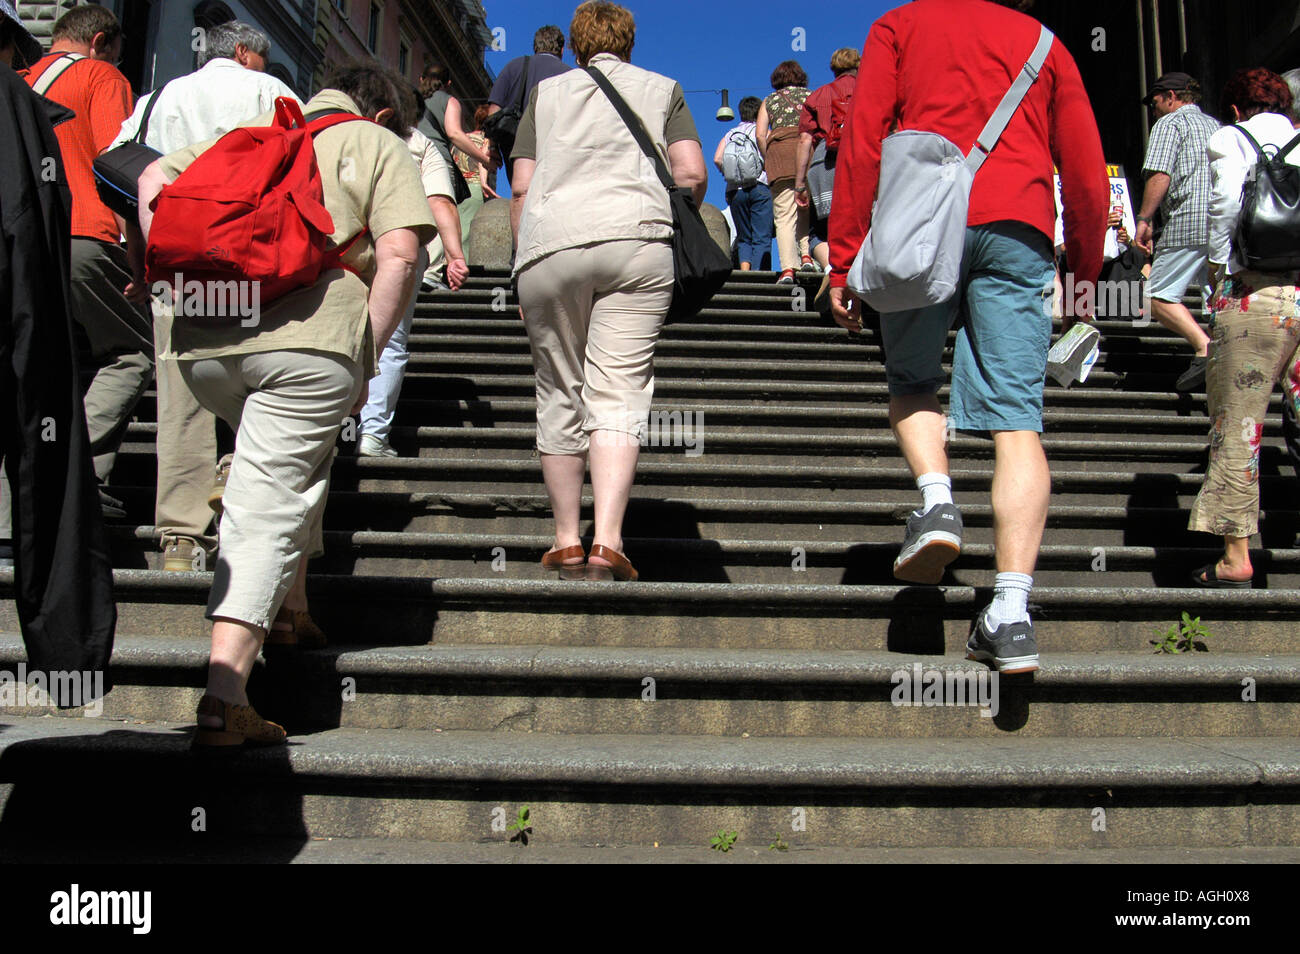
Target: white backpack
(742, 163)
(911, 256)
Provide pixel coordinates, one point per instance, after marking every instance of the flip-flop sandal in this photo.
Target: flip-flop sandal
(1209, 579)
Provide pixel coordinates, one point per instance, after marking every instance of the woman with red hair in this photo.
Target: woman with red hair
(1256, 324)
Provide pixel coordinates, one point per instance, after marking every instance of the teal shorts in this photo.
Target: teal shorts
(1000, 357)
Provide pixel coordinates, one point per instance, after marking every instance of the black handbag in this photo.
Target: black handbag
(117, 171)
(1268, 229)
(502, 126)
(700, 266)
(458, 183)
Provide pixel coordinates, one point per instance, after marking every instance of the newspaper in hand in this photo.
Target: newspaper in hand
(1075, 352)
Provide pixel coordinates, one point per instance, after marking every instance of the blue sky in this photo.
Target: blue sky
(707, 45)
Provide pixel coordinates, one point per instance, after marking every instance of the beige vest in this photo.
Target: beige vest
(592, 183)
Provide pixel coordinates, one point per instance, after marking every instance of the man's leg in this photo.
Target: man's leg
(121, 343)
(187, 453)
(999, 369)
(914, 344)
(1022, 486)
(1174, 271)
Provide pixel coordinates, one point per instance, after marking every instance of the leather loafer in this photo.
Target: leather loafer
(619, 568)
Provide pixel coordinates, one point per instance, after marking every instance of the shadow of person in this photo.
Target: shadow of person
(115, 794)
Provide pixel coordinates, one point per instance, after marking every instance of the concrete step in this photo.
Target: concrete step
(398, 610)
(736, 693)
(676, 559)
(738, 420)
(670, 789)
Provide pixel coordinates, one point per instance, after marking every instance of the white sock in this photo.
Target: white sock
(935, 489)
(1010, 599)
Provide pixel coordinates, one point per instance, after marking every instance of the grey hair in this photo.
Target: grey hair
(220, 41)
(1292, 78)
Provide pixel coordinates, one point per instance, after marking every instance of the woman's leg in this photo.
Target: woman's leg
(785, 217)
(619, 372)
(1252, 349)
(556, 301)
(293, 405)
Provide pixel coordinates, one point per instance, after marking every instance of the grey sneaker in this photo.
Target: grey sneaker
(182, 555)
(933, 541)
(1010, 648)
(372, 446)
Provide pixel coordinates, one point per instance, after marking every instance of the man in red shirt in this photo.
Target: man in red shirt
(943, 66)
(79, 73)
(814, 172)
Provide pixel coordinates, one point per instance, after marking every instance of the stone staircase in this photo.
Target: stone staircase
(748, 682)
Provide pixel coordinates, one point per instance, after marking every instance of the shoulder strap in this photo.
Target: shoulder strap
(635, 126)
(148, 111)
(54, 71)
(997, 123)
(1259, 151)
(788, 101)
(1281, 153)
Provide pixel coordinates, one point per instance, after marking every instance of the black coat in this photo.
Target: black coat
(62, 581)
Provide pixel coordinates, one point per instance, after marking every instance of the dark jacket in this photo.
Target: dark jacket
(62, 583)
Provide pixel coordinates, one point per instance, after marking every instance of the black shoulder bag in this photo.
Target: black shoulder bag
(1268, 230)
(117, 171)
(700, 266)
(502, 126)
(458, 183)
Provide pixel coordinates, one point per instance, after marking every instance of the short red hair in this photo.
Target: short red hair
(1255, 91)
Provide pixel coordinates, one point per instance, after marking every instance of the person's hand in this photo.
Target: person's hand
(488, 191)
(521, 312)
(801, 196)
(1123, 237)
(1072, 313)
(457, 272)
(362, 398)
(1142, 236)
(846, 310)
(137, 291)
(1115, 219)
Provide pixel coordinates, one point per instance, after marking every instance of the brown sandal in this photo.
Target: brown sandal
(619, 568)
(294, 628)
(240, 725)
(555, 560)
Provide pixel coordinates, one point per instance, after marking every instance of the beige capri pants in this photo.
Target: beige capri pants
(1256, 344)
(593, 316)
(286, 408)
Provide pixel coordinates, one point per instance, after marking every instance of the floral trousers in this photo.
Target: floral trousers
(1256, 344)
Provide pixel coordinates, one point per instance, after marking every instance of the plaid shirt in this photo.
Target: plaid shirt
(1177, 148)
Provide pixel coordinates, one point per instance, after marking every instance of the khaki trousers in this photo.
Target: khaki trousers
(121, 344)
(286, 408)
(1252, 348)
(187, 448)
(791, 224)
(593, 316)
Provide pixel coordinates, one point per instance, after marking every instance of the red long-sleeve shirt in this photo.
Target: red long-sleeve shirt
(943, 66)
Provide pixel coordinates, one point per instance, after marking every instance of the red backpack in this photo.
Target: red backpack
(839, 115)
(249, 209)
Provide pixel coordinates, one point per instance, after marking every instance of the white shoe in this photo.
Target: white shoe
(372, 446)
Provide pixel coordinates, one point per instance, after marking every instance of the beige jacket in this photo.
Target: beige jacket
(592, 183)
